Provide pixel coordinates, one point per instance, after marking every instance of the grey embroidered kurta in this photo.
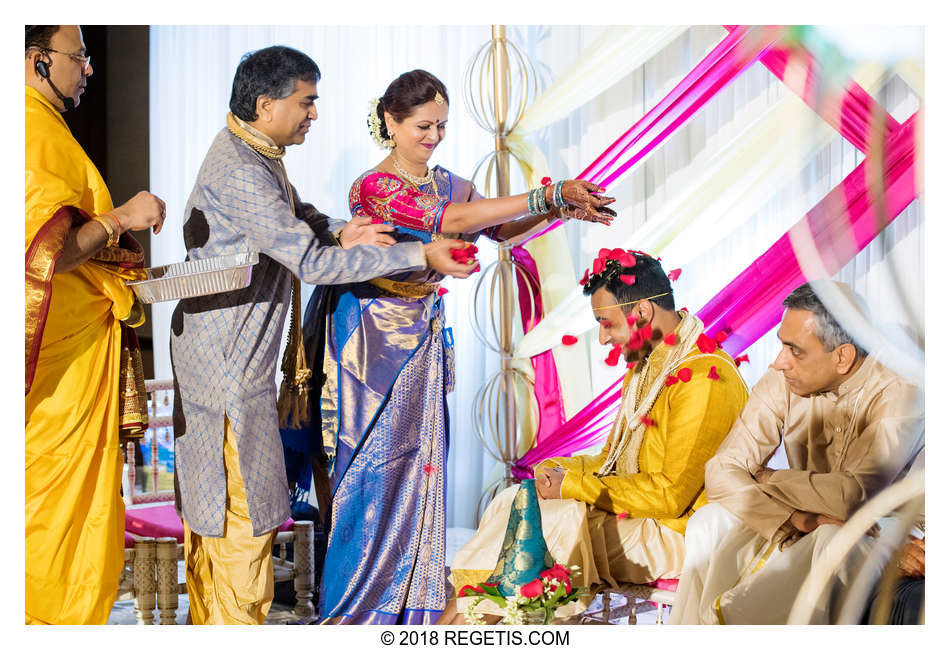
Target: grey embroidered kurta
(225, 346)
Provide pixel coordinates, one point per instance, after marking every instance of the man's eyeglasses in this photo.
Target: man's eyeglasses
(84, 61)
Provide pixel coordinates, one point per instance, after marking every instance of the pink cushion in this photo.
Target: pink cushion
(163, 521)
(155, 521)
(666, 584)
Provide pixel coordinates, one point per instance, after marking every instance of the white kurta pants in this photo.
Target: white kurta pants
(731, 575)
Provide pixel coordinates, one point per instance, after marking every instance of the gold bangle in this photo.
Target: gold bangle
(111, 230)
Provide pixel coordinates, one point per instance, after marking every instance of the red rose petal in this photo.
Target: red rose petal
(613, 357)
(646, 332)
(598, 265)
(568, 339)
(706, 344)
(627, 260)
(674, 274)
(670, 380)
(722, 335)
(442, 291)
(647, 421)
(621, 515)
(631, 364)
(712, 373)
(685, 374)
(670, 339)
(617, 253)
(628, 279)
(430, 468)
(739, 360)
(586, 277)
(603, 253)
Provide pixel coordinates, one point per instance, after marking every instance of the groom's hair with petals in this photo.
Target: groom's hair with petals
(650, 280)
(272, 72)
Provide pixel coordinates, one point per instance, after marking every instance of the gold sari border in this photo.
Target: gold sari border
(41, 256)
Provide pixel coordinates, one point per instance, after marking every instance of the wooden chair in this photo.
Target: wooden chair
(157, 533)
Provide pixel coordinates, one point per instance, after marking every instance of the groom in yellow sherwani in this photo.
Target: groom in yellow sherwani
(620, 515)
(77, 304)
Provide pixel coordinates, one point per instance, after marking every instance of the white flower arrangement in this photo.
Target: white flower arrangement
(376, 126)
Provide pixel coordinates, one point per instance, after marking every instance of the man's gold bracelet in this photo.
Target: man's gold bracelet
(110, 223)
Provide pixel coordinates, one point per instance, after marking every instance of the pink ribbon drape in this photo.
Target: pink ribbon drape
(547, 387)
(841, 225)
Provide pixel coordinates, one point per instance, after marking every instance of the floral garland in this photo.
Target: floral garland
(376, 126)
(539, 598)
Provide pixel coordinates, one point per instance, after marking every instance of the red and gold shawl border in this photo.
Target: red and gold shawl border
(41, 257)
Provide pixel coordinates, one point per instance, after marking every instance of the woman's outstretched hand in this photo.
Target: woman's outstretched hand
(586, 202)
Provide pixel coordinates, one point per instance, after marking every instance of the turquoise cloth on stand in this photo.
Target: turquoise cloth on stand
(524, 553)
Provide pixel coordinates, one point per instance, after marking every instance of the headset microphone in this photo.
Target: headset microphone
(42, 69)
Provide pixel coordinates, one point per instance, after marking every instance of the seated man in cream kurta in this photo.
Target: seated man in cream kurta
(620, 515)
(850, 428)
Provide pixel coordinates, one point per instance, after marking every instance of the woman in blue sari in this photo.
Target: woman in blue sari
(387, 365)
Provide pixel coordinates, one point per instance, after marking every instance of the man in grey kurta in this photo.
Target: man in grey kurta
(224, 346)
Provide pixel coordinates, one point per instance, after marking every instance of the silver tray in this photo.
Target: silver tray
(195, 278)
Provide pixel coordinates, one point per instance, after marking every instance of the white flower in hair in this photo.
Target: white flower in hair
(376, 126)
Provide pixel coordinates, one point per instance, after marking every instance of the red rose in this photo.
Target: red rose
(685, 374)
(628, 279)
(546, 181)
(712, 373)
(533, 589)
(674, 274)
(568, 339)
(557, 572)
(705, 344)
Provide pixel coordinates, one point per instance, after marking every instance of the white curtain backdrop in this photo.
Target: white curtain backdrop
(191, 72)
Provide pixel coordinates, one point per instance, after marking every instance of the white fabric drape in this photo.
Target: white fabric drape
(191, 71)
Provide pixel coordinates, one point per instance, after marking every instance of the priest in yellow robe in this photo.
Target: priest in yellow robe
(77, 307)
(620, 515)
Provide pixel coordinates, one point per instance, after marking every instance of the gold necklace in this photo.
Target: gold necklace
(418, 181)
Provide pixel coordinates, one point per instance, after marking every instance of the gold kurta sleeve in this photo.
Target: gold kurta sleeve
(691, 419)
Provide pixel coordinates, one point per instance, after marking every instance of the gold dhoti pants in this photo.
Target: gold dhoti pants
(230, 578)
